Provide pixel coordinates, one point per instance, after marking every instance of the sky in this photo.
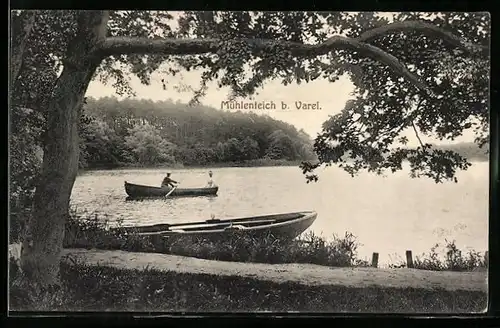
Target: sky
(330, 97)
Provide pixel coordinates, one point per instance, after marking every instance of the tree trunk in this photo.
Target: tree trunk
(43, 242)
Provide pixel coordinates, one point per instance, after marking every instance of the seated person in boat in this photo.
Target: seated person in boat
(210, 182)
(168, 182)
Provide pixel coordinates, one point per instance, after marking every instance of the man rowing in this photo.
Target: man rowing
(168, 182)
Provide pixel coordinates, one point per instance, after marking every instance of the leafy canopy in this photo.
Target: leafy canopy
(429, 74)
(425, 72)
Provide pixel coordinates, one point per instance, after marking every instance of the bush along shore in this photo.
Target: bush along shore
(95, 233)
(341, 251)
(94, 287)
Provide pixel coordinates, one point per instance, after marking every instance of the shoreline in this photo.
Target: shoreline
(256, 163)
(247, 164)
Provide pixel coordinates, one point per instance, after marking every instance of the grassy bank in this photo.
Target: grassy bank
(87, 287)
(99, 288)
(339, 251)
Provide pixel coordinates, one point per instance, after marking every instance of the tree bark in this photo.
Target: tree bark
(42, 245)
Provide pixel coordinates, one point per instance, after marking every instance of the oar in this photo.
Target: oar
(171, 191)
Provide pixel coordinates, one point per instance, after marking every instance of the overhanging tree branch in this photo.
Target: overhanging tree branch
(425, 28)
(417, 135)
(172, 46)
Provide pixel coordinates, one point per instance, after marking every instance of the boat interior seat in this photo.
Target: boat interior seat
(235, 227)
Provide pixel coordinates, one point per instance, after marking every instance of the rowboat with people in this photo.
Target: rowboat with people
(170, 188)
(142, 191)
(282, 226)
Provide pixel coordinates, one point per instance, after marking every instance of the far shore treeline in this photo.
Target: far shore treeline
(143, 133)
(120, 133)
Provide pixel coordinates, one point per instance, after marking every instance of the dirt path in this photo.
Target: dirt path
(302, 273)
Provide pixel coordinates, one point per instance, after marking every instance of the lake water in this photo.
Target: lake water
(388, 214)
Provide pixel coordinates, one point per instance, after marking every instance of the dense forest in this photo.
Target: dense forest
(131, 132)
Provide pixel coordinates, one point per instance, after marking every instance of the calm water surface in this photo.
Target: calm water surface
(388, 214)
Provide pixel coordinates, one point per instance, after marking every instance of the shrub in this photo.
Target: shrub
(452, 260)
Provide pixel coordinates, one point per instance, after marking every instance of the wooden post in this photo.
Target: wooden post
(409, 259)
(375, 260)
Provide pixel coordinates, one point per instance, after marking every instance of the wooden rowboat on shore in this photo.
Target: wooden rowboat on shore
(141, 191)
(283, 226)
